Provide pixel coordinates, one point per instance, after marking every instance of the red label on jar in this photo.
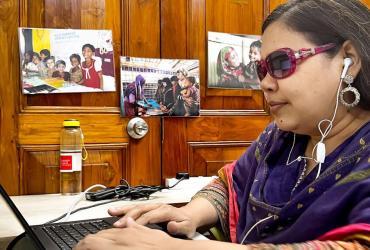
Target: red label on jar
(66, 162)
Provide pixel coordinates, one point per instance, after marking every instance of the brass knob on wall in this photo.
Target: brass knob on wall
(137, 128)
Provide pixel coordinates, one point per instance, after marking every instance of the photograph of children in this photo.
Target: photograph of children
(231, 61)
(159, 87)
(66, 60)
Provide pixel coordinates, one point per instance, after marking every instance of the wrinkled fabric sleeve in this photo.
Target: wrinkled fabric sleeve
(216, 193)
(310, 245)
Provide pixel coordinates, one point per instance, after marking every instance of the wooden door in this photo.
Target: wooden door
(38, 118)
(29, 127)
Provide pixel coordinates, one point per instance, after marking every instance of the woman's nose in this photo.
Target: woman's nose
(269, 84)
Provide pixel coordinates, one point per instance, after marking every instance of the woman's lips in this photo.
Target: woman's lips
(275, 106)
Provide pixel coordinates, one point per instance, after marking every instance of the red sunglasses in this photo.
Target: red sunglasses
(282, 62)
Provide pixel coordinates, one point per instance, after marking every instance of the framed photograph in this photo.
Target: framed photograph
(161, 87)
(231, 60)
(66, 60)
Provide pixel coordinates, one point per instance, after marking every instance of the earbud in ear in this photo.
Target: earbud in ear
(347, 62)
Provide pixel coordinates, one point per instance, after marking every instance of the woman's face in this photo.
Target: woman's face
(180, 75)
(254, 54)
(233, 58)
(299, 102)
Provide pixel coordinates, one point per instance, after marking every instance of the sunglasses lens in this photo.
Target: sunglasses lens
(279, 64)
(261, 70)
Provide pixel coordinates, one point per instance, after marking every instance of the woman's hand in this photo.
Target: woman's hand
(134, 236)
(179, 220)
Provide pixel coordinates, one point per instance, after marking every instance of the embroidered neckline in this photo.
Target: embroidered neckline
(301, 176)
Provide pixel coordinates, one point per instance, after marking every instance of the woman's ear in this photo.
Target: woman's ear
(349, 50)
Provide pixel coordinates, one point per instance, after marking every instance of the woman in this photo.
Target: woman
(133, 93)
(230, 70)
(168, 100)
(305, 182)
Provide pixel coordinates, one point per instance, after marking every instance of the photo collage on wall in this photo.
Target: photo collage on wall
(231, 61)
(66, 60)
(159, 87)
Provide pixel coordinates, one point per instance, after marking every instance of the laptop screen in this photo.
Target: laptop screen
(12, 222)
(9, 224)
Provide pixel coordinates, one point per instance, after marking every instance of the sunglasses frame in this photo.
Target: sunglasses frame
(264, 66)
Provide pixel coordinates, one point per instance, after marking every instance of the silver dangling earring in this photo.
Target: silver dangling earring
(349, 80)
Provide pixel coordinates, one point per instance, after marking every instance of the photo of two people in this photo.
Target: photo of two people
(231, 60)
(65, 60)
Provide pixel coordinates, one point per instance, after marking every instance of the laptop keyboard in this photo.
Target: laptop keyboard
(67, 235)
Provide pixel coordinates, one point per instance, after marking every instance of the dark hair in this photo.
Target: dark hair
(256, 44)
(77, 56)
(331, 21)
(167, 81)
(49, 57)
(30, 53)
(90, 46)
(192, 79)
(46, 52)
(37, 55)
(174, 78)
(60, 62)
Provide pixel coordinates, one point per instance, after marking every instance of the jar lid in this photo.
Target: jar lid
(71, 123)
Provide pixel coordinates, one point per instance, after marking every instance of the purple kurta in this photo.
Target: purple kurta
(263, 184)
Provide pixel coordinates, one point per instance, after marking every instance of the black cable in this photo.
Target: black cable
(123, 192)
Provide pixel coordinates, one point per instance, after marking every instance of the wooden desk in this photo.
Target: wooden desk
(38, 209)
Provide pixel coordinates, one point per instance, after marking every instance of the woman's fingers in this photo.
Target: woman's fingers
(160, 214)
(131, 211)
(119, 211)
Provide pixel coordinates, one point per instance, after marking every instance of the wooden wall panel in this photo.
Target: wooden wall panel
(196, 40)
(366, 2)
(174, 29)
(142, 38)
(43, 129)
(144, 163)
(226, 134)
(9, 87)
(275, 3)
(145, 156)
(141, 23)
(206, 158)
(106, 165)
(236, 128)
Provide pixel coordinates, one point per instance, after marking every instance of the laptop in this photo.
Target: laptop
(64, 235)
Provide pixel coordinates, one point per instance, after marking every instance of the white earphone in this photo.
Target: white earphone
(347, 62)
(320, 147)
